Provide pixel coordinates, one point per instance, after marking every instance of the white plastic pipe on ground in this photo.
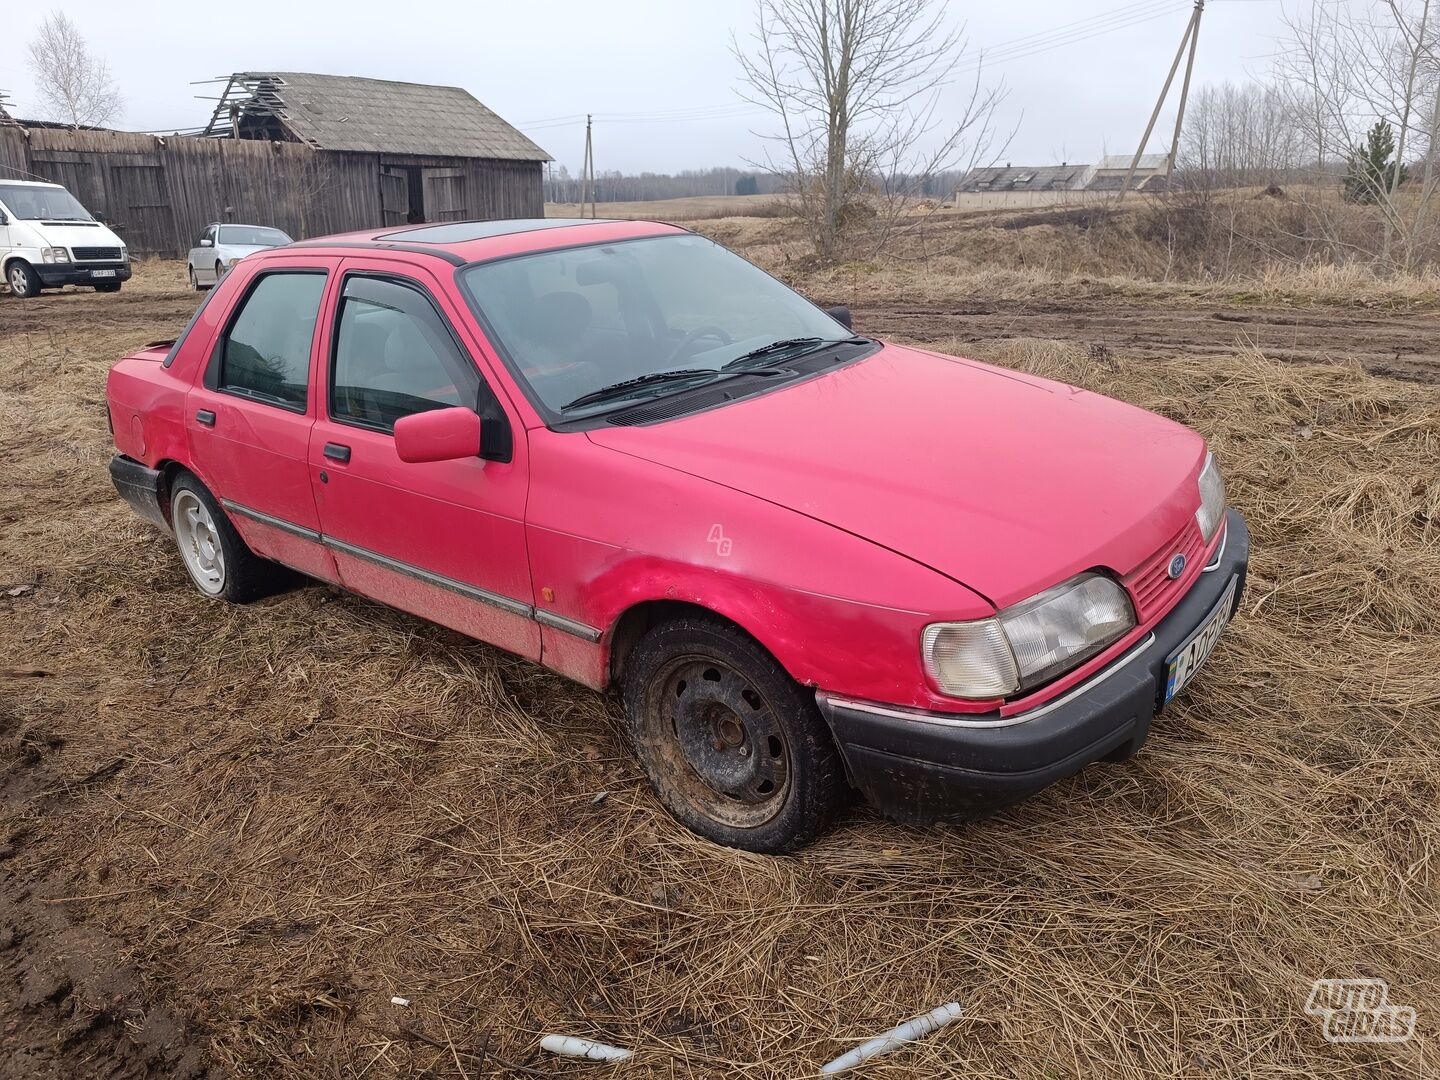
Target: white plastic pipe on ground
(570, 1046)
(895, 1038)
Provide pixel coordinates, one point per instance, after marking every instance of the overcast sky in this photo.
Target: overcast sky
(658, 74)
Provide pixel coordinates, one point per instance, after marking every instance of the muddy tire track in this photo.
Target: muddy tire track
(1399, 344)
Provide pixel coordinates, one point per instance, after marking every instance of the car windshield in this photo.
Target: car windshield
(577, 320)
(252, 236)
(42, 202)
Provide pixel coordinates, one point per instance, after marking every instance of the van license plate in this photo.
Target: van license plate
(1185, 661)
(102, 273)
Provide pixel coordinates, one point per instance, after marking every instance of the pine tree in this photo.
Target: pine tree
(1371, 171)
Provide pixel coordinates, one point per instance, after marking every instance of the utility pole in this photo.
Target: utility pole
(1191, 37)
(587, 181)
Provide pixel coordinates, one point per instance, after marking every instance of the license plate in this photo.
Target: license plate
(1185, 661)
(102, 273)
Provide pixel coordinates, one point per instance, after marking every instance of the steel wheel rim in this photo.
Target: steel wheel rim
(199, 540)
(726, 751)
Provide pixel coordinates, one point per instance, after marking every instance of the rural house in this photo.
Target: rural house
(310, 154)
(1049, 185)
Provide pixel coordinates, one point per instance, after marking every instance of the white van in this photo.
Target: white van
(47, 239)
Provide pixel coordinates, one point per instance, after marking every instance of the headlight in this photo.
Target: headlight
(54, 255)
(1212, 499)
(1029, 643)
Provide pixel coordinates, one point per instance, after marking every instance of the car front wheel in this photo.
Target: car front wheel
(23, 281)
(218, 560)
(735, 748)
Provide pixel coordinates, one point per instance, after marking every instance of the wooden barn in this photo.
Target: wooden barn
(310, 154)
(435, 153)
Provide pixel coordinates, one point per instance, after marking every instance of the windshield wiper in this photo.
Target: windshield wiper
(625, 386)
(805, 344)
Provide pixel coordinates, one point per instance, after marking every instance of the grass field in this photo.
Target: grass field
(230, 835)
(693, 208)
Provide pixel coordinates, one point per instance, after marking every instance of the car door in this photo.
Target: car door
(195, 260)
(444, 540)
(248, 418)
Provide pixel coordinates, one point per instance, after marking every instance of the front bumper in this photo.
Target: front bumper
(921, 767)
(53, 275)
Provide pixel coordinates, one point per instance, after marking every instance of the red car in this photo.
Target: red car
(809, 560)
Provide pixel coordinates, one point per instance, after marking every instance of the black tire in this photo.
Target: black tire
(194, 281)
(245, 576)
(219, 271)
(736, 750)
(22, 279)
(108, 286)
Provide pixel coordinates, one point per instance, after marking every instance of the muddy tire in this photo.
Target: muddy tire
(109, 286)
(736, 749)
(216, 558)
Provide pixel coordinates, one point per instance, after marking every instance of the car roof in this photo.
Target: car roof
(460, 242)
(29, 183)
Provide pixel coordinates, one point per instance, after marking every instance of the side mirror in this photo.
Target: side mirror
(4, 218)
(438, 435)
(841, 314)
(207, 242)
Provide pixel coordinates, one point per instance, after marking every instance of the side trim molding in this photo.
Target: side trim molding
(273, 522)
(471, 592)
(567, 626)
(485, 596)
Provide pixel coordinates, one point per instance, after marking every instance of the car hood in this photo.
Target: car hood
(76, 234)
(1004, 482)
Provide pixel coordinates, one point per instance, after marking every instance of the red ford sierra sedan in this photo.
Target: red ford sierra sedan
(808, 560)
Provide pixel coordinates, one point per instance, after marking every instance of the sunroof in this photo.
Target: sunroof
(458, 232)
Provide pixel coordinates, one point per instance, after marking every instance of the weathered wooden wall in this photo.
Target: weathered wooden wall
(159, 193)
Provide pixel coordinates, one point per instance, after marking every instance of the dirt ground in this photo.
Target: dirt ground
(229, 836)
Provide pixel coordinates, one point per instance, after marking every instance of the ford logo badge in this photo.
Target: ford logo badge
(1177, 566)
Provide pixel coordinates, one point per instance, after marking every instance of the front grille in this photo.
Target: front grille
(95, 254)
(1151, 587)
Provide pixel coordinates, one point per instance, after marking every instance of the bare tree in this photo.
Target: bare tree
(1236, 135)
(855, 87)
(73, 85)
(1348, 65)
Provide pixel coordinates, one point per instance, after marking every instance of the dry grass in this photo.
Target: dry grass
(690, 208)
(288, 813)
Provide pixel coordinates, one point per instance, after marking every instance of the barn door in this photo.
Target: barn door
(444, 194)
(140, 209)
(394, 195)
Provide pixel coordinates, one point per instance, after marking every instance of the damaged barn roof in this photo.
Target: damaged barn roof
(344, 112)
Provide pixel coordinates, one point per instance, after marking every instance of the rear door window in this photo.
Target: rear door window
(265, 354)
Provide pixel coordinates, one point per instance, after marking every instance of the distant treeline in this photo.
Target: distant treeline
(562, 187)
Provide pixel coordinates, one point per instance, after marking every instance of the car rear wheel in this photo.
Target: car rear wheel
(216, 558)
(194, 281)
(735, 748)
(23, 281)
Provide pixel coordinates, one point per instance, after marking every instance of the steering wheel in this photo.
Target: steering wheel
(700, 333)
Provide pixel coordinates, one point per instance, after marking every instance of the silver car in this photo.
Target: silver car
(222, 245)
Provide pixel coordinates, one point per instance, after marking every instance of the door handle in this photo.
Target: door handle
(336, 452)
(206, 417)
